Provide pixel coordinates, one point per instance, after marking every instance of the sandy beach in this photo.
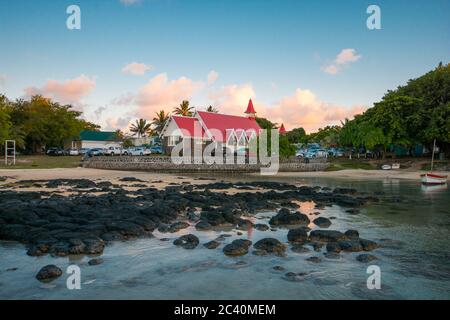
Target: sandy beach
(114, 176)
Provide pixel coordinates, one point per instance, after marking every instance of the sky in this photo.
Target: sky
(304, 63)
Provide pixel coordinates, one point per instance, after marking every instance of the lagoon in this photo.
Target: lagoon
(412, 226)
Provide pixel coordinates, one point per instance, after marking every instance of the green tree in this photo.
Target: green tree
(296, 135)
(184, 109)
(159, 121)
(140, 128)
(212, 109)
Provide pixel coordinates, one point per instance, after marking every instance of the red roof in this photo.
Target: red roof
(282, 130)
(189, 126)
(250, 108)
(218, 124)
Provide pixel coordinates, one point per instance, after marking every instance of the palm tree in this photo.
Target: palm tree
(119, 135)
(140, 128)
(183, 109)
(212, 109)
(159, 121)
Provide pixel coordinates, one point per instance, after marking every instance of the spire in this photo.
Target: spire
(250, 112)
(282, 130)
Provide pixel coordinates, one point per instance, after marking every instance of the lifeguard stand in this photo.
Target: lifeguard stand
(10, 152)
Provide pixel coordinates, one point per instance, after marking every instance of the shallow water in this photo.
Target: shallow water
(414, 259)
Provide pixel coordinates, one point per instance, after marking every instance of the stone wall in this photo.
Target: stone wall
(165, 164)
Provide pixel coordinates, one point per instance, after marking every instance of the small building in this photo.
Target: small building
(96, 139)
(203, 128)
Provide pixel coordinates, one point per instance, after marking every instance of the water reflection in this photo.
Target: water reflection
(412, 227)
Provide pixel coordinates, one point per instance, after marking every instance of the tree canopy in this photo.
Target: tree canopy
(418, 112)
(39, 122)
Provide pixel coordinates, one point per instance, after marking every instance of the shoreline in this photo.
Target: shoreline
(80, 172)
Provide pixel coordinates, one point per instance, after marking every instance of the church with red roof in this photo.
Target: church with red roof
(204, 127)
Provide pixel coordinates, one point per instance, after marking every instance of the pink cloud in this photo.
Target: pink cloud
(212, 77)
(302, 109)
(160, 93)
(70, 91)
(136, 68)
(232, 99)
(344, 58)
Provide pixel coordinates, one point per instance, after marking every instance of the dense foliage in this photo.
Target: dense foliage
(39, 123)
(418, 112)
(285, 147)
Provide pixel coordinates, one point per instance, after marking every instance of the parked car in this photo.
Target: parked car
(321, 153)
(156, 149)
(95, 152)
(73, 152)
(55, 152)
(336, 152)
(83, 151)
(310, 154)
(113, 151)
(137, 151)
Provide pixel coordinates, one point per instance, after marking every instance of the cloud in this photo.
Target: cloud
(343, 59)
(129, 2)
(232, 99)
(212, 77)
(98, 112)
(301, 109)
(160, 93)
(136, 68)
(118, 123)
(70, 91)
(2, 79)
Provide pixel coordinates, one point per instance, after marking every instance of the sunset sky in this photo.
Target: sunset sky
(304, 63)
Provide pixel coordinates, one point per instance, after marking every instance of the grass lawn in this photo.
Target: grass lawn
(42, 162)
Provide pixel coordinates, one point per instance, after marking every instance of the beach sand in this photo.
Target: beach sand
(165, 179)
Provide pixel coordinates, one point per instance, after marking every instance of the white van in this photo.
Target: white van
(113, 151)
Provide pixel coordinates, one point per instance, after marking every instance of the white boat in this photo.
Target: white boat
(396, 166)
(386, 167)
(430, 178)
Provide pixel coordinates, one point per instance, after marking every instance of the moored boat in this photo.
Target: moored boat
(431, 178)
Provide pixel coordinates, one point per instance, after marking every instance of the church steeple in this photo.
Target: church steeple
(250, 112)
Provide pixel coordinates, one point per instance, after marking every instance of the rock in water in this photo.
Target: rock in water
(299, 249)
(333, 247)
(298, 235)
(270, 245)
(188, 241)
(261, 227)
(326, 235)
(212, 244)
(177, 226)
(203, 225)
(49, 272)
(352, 234)
(368, 245)
(95, 261)
(238, 247)
(365, 257)
(285, 217)
(322, 222)
(314, 259)
(350, 245)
